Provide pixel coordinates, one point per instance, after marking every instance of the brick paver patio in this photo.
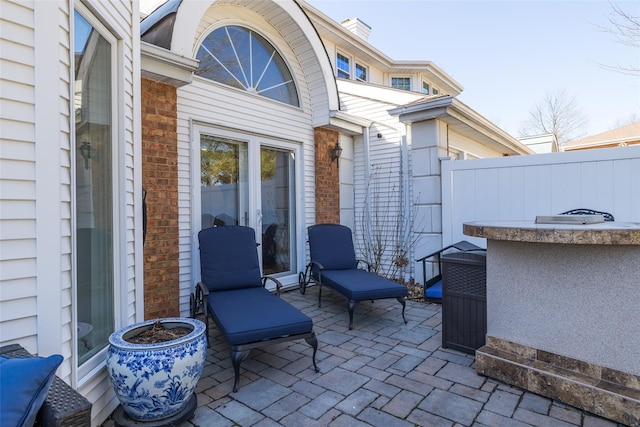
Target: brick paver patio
(382, 373)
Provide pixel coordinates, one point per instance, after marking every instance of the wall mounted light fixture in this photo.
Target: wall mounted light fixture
(86, 151)
(336, 152)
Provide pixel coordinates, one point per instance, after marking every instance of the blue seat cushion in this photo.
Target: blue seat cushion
(24, 383)
(255, 314)
(228, 258)
(434, 291)
(331, 245)
(360, 285)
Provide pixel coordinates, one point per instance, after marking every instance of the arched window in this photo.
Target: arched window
(239, 57)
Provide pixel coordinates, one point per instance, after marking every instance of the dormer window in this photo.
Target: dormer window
(241, 58)
(343, 67)
(425, 88)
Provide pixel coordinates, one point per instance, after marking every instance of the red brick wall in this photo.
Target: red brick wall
(327, 177)
(160, 179)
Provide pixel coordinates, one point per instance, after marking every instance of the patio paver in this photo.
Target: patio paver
(382, 373)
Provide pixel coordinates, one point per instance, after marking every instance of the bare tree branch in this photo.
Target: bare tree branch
(625, 28)
(557, 114)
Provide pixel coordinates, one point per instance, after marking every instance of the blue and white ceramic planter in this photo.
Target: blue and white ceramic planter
(155, 381)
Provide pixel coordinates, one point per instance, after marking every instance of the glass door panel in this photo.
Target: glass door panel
(224, 182)
(277, 190)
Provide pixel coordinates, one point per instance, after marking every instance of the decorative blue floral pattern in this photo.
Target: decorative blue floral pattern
(155, 381)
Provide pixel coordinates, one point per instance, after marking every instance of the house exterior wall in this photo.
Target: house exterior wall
(160, 180)
(469, 148)
(327, 176)
(37, 162)
(381, 165)
(215, 107)
(18, 180)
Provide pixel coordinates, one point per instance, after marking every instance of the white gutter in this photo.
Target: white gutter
(165, 66)
(450, 109)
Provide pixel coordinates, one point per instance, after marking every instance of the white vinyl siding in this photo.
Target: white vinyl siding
(216, 105)
(18, 284)
(381, 166)
(36, 278)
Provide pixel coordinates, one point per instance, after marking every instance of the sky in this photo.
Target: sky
(508, 55)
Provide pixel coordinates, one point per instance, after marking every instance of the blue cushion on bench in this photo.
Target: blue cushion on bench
(360, 285)
(255, 314)
(434, 291)
(24, 383)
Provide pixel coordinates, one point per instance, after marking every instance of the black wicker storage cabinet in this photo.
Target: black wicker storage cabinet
(464, 301)
(63, 407)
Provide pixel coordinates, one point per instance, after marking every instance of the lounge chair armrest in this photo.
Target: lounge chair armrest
(276, 281)
(201, 287)
(317, 264)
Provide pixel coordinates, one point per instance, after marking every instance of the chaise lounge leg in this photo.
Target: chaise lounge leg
(351, 306)
(313, 342)
(404, 304)
(237, 356)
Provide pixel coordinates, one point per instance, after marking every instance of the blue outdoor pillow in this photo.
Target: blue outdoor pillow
(24, 383)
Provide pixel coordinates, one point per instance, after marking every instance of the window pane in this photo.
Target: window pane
(94, 190)
(425, 88)
(223, 182)
(278, 224)
(342, 63)
(403, 83)
(241, 58)
(361, 73)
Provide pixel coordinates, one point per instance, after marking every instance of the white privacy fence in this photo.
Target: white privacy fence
(521, 187)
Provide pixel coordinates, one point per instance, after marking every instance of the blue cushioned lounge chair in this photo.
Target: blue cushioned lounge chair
(334, 264)
(232, 293)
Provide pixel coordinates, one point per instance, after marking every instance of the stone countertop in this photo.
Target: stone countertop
(605, 233)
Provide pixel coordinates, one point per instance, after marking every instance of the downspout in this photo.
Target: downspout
(366, 217)
(405, 198)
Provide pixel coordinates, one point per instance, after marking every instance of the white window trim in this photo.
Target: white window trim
(350, 58)
(85, 373)
(268, 38)
(429, 86)
(366, 68)
(401, 77)
(254, 142)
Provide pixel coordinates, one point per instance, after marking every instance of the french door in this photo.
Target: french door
(250, 180)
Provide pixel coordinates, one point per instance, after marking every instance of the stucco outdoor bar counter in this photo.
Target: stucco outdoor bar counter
(563, 312)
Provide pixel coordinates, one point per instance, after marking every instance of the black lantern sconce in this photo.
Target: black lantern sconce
(86, 151)
(336, 153)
